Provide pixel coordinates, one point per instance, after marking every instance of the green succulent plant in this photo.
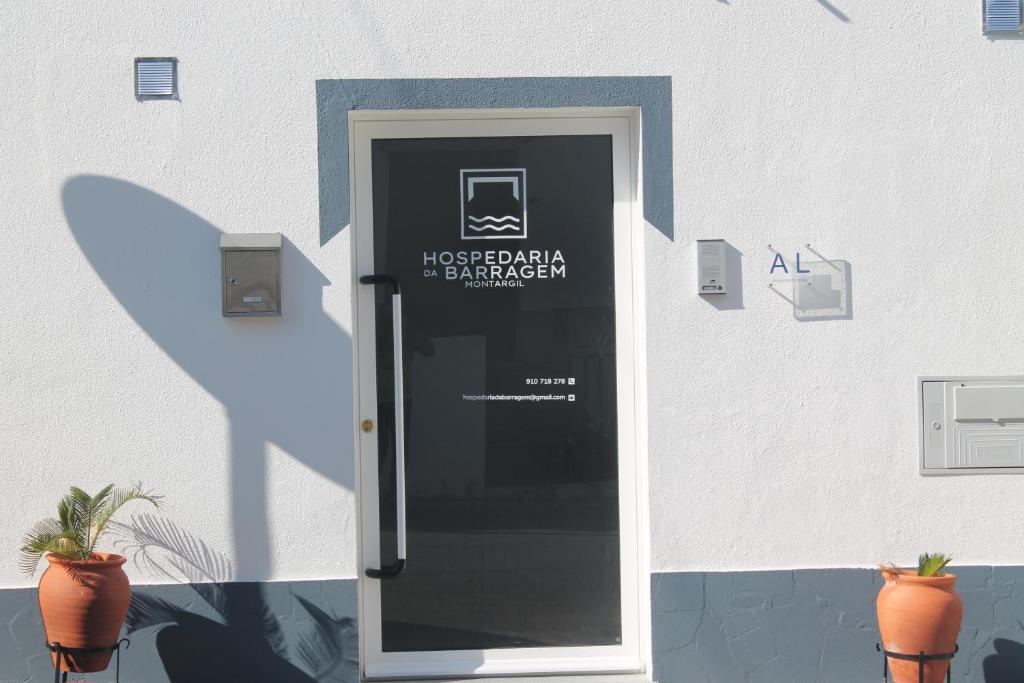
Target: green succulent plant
(928, 564)
(80, 523)
(931, 564)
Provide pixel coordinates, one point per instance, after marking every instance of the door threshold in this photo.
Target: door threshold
(533, 678)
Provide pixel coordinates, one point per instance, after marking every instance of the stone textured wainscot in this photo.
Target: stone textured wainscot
(818, 626)
(286, 632)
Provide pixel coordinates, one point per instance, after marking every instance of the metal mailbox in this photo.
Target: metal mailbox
(971, 425)
(251, 274)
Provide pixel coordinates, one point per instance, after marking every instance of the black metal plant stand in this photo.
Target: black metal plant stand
(63, 652)
(920, 658)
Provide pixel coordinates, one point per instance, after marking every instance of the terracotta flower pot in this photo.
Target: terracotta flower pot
(919, 614)
(84, 603)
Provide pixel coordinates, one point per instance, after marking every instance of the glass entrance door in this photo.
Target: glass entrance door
(496, 395)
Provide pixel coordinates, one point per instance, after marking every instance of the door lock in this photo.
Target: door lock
(366, 425)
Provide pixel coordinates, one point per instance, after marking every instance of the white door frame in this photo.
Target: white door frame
(623, 124)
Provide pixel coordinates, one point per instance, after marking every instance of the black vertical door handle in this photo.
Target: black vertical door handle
(392, 570)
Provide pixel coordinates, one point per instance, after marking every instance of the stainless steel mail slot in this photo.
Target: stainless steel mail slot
(251, 274)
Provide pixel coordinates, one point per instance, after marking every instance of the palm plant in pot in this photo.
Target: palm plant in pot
(83, 594)
(919, 611)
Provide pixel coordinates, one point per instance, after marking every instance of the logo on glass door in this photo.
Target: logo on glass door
(493, 203)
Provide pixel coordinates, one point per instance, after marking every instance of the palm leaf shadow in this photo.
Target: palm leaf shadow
(328, 650)
(238, 635)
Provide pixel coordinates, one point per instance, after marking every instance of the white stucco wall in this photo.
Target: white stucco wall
(892, 139)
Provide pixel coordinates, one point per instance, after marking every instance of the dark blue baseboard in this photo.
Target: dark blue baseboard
(280, 632)
(802, 626)
(818, 626)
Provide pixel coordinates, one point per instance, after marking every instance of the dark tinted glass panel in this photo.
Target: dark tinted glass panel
(503, 247)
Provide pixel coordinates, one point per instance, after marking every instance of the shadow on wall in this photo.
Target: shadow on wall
(230, 633)
(283, 380)
(834, 11)
(1007, 664)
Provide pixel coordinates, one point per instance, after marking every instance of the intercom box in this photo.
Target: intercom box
(251, 274)
(711, 266)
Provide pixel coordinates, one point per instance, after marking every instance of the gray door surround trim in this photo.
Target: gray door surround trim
(336, 97)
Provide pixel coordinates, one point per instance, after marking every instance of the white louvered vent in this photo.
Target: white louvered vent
(156, 78)
(1002, 16)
